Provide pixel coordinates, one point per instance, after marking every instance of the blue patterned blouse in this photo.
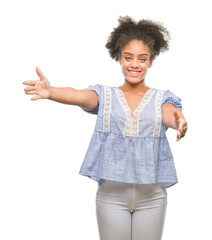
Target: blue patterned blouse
(126, 148)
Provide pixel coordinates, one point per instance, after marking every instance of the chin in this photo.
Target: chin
(134, 81)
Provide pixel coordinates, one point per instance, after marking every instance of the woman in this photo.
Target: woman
(129, 155)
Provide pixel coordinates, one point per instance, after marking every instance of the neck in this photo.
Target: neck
(136, 87)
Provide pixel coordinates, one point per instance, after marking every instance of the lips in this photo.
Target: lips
(134, 72)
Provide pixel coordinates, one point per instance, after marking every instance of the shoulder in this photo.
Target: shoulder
(170, 97)
(169, 94)
(98, 88)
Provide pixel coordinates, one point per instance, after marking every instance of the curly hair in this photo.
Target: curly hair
(152, 34)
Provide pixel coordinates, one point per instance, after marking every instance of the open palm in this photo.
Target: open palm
(39, 88)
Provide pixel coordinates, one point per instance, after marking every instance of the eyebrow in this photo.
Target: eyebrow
(138, 55)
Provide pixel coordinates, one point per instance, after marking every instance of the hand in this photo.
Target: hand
(40, 88)
(181, 125)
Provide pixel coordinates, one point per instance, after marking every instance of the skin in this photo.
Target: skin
(135, 62)
(135, 57)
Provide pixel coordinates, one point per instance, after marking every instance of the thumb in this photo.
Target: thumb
(36, 97)
(39, 72)
(176, 114)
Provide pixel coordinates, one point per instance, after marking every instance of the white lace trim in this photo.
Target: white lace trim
(107, 109)
(132, 122)
(158, 121)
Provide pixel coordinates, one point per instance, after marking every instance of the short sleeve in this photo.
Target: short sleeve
(96, 88)
(169, 97)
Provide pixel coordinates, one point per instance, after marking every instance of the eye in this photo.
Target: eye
(142, 59)
(127, 58)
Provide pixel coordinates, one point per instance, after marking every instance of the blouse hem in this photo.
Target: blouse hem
(166, 182)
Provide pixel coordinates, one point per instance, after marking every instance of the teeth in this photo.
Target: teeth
(134, 72)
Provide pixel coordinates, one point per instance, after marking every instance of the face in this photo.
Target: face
(135, 61)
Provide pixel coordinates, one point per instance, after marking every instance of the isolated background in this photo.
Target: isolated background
(43, 143)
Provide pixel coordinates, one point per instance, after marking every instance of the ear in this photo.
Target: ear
(150, 64)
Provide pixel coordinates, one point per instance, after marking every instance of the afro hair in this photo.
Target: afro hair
(152, 34)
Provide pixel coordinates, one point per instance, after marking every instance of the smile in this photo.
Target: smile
(134, 72)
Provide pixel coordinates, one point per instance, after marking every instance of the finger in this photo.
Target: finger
(181, 137)
(31, 88)
(179, 132)
(31, 82)
(39, 72)
(31, 92)
(178, 136)
(184, 128)
(182, 134)
(180, 129)
(36, 97)
(176, 114)
(181, 126)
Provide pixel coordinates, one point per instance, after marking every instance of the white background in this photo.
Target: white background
(43, 143)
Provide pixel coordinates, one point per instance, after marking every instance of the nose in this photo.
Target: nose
(134, 63)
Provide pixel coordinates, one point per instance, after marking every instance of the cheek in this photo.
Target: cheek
(144, 67)
(125, 66)
(124, 70)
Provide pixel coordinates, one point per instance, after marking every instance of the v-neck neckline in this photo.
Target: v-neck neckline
(143, 100)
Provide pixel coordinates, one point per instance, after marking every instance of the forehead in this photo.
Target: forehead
(136, 46)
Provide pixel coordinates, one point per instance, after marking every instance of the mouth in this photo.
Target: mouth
(134, 73)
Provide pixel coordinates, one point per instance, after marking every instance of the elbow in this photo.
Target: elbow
(89, 100)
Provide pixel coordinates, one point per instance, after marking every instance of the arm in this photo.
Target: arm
(173, 118)
(42, 90)
(83, 98)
